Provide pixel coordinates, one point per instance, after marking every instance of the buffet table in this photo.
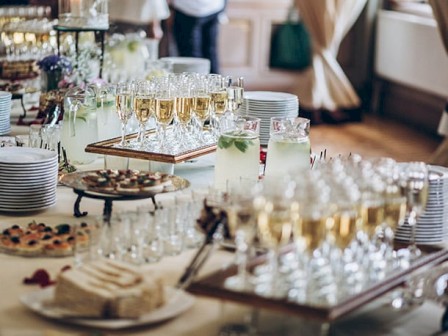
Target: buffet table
(206, 316)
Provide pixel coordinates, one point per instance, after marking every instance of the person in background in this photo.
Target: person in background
(143, 15)
(196, 28)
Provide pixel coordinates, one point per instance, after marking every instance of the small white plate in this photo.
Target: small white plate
(178, 301)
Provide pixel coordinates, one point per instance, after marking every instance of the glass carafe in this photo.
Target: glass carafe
(79, 124)
(288, 147)
(238, 152)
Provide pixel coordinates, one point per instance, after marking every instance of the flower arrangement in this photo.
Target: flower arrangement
(53, 68)
(55, 63)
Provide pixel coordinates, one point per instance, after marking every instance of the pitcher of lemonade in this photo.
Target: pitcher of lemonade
(238, 152)
(288, 147)
(79, 124)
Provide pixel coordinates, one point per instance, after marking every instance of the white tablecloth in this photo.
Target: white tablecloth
(207, 315)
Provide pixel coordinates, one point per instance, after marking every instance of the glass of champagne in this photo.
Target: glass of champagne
(201, 108)
(289, 146)
(414, 186)
(184, 111)
(123, 104)
(239, 148)
(242, 222)
(235, 94)
(143, 108)
(218, 95)
(275, 228)
(164, 111)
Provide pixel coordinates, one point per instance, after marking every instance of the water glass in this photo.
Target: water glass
(289, 146)
(35, 136)
(87, 240)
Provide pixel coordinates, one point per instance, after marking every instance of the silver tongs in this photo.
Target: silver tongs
(214, 224)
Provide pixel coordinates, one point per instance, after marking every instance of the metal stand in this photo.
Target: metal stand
(99, 35)
(108, 199)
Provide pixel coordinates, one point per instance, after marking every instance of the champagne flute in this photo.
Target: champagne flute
(235, 94)
(164, 111)
(184, 111)
(275, 227)
(143, 108)
(218, 95)
(414, 186)
(123, 104)
(242, 220)
(201, 102)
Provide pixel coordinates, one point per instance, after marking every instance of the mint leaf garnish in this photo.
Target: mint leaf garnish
(242, 145)
(224, 142)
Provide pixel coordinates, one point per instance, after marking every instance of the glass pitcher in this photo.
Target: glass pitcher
(289, 146)
(79, 124)
(109, 126)
(238, 152)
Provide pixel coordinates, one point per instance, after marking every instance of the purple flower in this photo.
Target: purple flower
(55, 63)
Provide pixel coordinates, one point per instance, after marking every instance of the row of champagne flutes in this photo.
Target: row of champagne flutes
(329, 232)
(185, 101)
(30, 39)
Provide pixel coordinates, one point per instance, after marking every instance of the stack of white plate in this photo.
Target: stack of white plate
(189, 64)
(5, 112)
(432, 225)
(28, 179)
(267, 104)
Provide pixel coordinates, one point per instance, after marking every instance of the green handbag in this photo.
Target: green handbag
(291, 46)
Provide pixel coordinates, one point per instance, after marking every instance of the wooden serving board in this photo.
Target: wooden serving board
(213, 286)
(108, 147)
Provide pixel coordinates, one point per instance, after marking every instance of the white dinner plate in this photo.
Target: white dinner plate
(177, 302)
(29, 201)
(26, 155)
(27, 209)
(269, 96)
(46, 175)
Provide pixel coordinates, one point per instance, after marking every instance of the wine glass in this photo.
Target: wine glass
(242, 222)
(218, 95)
(202, 100)
(184, 111)
(164, 110)
(123, 104)
(235, 93)
(414, 186)
(275, 226)
(143, 108)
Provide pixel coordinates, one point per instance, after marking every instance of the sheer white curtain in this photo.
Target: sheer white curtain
(440, 10)
(328, 21)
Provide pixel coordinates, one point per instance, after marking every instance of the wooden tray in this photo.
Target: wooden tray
(213, 286)
(106, 147)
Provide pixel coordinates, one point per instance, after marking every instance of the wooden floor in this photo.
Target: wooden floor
(374, 137)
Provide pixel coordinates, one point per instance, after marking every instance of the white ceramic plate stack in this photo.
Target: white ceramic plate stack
(267, 104)
(189, 64)
(28, 179)
(5, 112)
(432, 225)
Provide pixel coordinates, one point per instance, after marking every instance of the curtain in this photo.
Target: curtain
(440, 10)
(328, 21)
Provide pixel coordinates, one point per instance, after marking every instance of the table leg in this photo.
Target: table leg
(77, 212)
(107, 211)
